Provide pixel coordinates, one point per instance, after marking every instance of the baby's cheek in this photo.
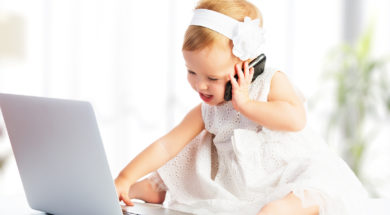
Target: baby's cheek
(221, 90)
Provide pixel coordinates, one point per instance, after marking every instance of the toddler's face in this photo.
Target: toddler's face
(208, 72)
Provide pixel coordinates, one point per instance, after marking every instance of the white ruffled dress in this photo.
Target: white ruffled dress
(236, 166)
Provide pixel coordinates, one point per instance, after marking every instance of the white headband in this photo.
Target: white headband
(247, 36)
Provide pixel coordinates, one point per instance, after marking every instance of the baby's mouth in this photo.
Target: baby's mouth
(205, 97)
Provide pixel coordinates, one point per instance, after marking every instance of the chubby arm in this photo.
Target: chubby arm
(159, 152)
(284, 109)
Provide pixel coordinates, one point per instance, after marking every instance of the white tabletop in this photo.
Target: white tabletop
(17, 205)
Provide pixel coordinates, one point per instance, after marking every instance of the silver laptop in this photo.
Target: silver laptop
(61, 159)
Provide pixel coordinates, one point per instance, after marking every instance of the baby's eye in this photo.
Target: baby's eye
(213, 79)
(191, 72)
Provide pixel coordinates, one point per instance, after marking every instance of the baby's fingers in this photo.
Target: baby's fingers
(125, 198)
(251, 73)
(246, 70)
(240, 74)
(246, 75)
(233, 81)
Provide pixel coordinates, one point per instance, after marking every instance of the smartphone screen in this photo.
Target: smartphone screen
(258, 64)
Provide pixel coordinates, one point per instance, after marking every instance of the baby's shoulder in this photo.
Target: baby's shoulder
(281, 87)
(279, 78)
(260, 86)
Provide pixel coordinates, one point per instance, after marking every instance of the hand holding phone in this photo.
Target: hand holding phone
(258, 64)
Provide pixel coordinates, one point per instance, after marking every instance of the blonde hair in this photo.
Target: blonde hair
(197, 37)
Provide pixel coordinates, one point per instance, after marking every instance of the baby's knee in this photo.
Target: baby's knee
(156, 198)
(289, 205)
(277, 207)
(154, 194)
(146, 191)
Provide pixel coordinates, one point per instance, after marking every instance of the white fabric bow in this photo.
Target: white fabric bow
(248, 39)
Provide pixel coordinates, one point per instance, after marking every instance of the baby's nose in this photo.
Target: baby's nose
(202, 85)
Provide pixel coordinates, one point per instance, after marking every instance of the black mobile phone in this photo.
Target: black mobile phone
(258, 63)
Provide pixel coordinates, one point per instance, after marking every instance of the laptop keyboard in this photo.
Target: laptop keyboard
(129, 213)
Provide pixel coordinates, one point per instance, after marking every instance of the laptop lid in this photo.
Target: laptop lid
(60, 155)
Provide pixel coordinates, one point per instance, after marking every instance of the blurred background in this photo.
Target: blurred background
(124, 56)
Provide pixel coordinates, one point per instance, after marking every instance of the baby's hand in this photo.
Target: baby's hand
(122, 188)
(240, 87)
